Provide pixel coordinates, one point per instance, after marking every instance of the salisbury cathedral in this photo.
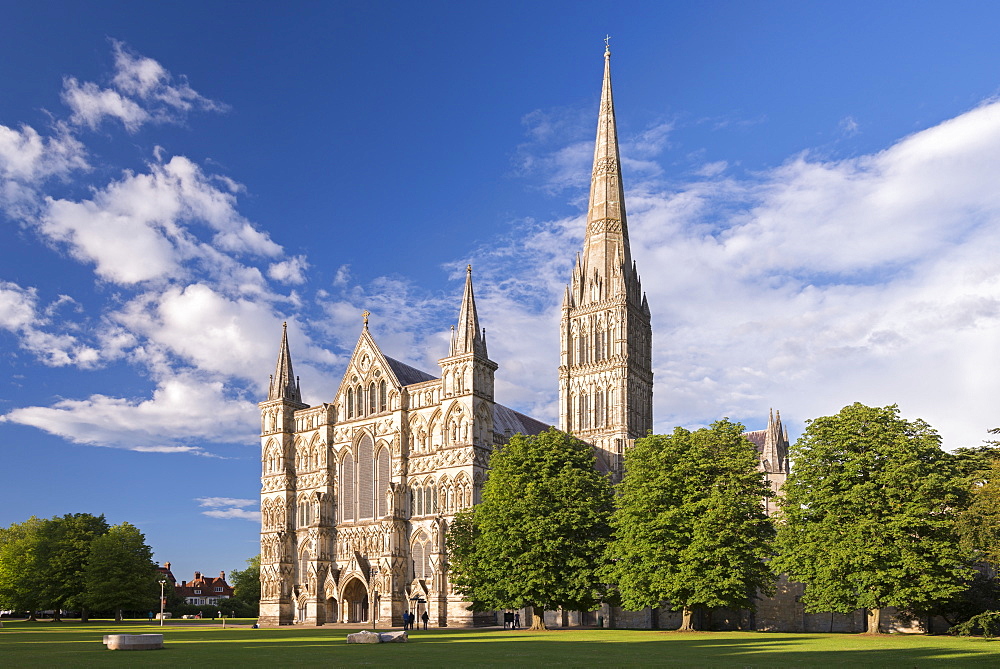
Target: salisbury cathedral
(358, 493)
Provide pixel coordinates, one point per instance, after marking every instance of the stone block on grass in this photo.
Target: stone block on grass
(133, 641)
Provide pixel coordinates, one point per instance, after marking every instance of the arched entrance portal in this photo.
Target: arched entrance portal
(354, 601)
(331, 610)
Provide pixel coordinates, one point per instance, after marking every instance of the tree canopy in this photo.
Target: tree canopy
(537, 537)
(246, 582)
(21, 571)
(979, 523)
(690, 526)
(868, 512)
(64, 551)
(120, 572)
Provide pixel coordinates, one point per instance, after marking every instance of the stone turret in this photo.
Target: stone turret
(277, 438)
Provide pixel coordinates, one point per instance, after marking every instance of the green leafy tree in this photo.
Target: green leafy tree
(868, 515)
(690, 526)
(120, 572)
(64, 550)
(979, 523)
(537, 536)
(21, 570)
(246, 582)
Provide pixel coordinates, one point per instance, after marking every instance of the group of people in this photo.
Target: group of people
(409, 618)
(511, 620)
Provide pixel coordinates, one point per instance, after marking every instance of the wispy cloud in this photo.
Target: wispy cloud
(142, 91)
(228, 507)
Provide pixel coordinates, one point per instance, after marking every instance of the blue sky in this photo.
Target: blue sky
(812, 196)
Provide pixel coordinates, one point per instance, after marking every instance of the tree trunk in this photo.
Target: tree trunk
(874, 620)
(537, 618)
(55, 616)
(687, 620)
(83, 615)
(118, 616)
(31, 616)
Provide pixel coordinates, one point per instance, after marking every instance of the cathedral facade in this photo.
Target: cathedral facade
(357, 494)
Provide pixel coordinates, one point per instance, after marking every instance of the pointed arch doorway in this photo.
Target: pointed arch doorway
(354, 602)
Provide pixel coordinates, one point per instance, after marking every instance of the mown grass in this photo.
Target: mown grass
(72, 644)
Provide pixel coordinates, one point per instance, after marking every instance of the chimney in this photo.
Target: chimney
(197, 575)
(222, 576)
(183, 583)
(167, 565)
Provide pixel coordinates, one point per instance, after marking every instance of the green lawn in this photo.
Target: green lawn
(202, 643)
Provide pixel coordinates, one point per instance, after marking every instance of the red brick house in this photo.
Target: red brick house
(202, 590)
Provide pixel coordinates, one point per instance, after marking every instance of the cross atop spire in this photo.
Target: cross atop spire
(284, 385)
(468, 338)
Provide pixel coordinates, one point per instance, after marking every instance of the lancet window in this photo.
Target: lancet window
(347, 488)
(383, 472)
(366, 489)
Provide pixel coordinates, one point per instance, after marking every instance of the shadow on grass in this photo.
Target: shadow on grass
(77, 645)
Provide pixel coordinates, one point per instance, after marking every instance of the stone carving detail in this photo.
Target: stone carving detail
(606, 165)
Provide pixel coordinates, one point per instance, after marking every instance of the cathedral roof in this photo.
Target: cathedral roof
(407, 375)
(507, 420)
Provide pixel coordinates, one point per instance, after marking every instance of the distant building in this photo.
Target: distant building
(202, 590)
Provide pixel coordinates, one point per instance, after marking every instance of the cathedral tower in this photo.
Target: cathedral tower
(278, 489)
(605, 369)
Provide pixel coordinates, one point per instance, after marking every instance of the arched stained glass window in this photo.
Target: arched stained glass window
(366, 473)
(383, 472)
(347, 488)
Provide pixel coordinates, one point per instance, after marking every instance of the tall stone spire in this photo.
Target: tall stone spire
(606, 250)
(605, 369)
(468, 338)
(284, 386)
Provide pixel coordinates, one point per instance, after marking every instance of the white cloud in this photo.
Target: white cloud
(228, 507)
(142, 227)
(206, 329)
(143, 91)
(91, 104)
(289, 271)
(26, 156)
(19, 313)
(184, 407)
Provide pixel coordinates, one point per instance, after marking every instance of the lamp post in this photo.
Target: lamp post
(371, 606)
(163, 582)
